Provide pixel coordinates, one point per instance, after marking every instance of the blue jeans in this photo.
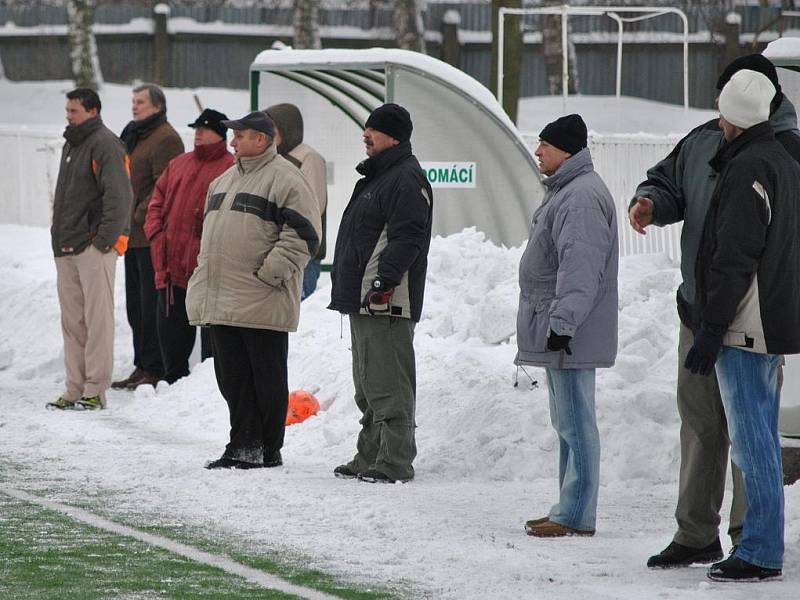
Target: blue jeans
(310, 276)
(748, 383)
(573, 417)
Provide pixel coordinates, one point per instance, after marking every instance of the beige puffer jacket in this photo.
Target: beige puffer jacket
(261, 225)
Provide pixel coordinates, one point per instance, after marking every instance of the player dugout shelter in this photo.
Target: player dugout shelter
(482, 173)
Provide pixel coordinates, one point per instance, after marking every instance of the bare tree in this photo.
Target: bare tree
(306, 24)
(408, 25)
(553, 55)
(82, 45)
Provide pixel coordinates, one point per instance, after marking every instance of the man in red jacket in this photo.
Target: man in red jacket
(173, 226)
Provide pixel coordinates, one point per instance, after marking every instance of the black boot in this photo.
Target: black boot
(678, 555)
(273, 460)
(735, 569)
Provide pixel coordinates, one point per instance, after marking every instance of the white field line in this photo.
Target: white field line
(214, 560)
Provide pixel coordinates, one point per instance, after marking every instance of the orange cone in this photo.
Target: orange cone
(302, 404)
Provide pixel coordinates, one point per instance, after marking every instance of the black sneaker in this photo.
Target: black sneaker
(375, 476)
(344, 472)
(273, 460)
(678, 555)
(735, 569)
(231, 463)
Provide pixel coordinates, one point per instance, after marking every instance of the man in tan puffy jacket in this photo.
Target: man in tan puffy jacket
(261, 225)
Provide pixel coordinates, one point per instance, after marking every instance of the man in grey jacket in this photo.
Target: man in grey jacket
(567, 318)
(679, 188)
(90, 229)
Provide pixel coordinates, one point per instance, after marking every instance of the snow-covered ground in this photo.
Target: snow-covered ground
(487, 452)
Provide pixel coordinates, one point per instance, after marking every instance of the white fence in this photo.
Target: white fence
(29, 160)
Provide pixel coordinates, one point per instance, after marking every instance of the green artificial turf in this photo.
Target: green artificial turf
(44, 554)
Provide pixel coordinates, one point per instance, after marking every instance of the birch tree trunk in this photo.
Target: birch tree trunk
(408, 25)
(306, 24)
(82, 46)
(551, 43)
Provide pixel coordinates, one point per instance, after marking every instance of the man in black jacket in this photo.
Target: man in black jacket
(747, 309)
(378, 280)
(679, 188)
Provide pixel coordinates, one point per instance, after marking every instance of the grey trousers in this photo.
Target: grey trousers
(384, 374)
(704, 458)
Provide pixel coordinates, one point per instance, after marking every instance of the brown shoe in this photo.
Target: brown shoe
(145, 379)
(123, 383)
(529, 525)
(550, 529)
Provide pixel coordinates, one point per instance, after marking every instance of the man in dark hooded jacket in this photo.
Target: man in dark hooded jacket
(289, 141)
(378, 280)
(679, 188)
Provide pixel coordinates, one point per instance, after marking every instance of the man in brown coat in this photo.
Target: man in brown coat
(151, 143)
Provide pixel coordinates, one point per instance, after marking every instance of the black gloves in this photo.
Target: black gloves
(377, 298)
(703, 354)
(557, 342)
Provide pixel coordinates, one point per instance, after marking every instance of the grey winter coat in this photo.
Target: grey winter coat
(568, 272)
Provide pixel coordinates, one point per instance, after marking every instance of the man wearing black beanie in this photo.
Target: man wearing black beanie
(378, 280)
(567, 318)
(679, 188)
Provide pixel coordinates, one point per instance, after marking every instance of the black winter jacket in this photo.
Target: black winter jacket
(385, 232)
(681, 186)
(748, 267)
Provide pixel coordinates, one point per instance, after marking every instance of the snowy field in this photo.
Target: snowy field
(487, 453)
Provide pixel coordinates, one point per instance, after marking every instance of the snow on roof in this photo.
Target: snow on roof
(783, 50)
(270, 59)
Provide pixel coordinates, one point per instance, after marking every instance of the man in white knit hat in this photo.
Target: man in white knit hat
(747, 310)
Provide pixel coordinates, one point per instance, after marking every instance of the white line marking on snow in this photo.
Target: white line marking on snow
(214, 560)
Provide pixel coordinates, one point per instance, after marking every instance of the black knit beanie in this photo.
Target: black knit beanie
(753, 62)
(393, 120)
(566, 133)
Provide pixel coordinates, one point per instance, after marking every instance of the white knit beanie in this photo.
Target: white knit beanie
(745, 99)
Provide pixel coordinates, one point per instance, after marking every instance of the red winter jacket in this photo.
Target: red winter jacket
(174, 220)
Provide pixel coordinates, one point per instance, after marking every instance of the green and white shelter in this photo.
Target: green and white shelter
(483, 175)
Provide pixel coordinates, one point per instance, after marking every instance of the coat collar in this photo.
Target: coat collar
(757, 133)
(75, 134)
(382, 161)
(248, 164)
(211, 151)
(575, 165)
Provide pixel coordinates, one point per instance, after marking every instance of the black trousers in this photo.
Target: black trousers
(175, 336)
(251, 372)
(141, 301)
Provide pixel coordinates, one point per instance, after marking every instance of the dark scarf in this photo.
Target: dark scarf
(135, 130)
